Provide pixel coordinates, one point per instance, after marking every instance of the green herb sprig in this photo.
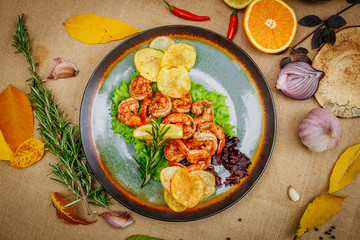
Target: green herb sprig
(154, 151)
(61, 137)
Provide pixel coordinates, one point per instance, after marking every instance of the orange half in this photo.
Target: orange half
(270, 25)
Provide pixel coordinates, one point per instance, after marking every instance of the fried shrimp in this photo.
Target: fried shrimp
(172, 153)
(217, 131)
(204, 110)
(192, 155)
(182, 105)
(205, 140)
(139, 88)
(200, 165)
(154, 105)
(128, 112)
(184, 121)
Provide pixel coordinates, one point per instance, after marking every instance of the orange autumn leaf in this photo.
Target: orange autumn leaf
(16, 117)
(67, 215)
(27, 153)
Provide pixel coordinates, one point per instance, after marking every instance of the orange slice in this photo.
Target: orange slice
(270, 25)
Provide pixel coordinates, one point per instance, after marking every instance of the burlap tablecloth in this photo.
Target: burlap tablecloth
(266, 212)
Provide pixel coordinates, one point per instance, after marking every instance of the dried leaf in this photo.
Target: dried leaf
(336, 21)
(16, 117)
(299, 50)
(310, 21)
(352, 1)
(319, 211)
(118, 219)
(27, 153)
(67, 215)
(317, 39)
(5, 151)
(93, 29)
(346, 169)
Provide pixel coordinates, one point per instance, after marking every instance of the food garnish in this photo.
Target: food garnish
(299, 80)
(63, 70)
(94, 29)
(185, 14)
(320, 130)
(60, 136)
(16, 117)
(232, 25)
(346, 169)
(271, 18)
(146, 131)
(117, 219)
(142, 237)
(320, 210)
(154, 151)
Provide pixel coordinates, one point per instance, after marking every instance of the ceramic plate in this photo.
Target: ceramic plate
(221, 65)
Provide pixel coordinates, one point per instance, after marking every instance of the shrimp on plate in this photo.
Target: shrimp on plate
(204, 110)
(154, 105)
(182, 105)
(140, 88)
(128, 112)
(183, 120)
(217, 131)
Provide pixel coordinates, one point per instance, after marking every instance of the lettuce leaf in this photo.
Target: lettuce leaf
(197, 92)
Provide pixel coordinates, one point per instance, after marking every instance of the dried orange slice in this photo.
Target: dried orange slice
(270, 25)
(27, 153)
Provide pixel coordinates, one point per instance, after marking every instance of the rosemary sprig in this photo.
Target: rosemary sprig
(154, 151)
(61, 137)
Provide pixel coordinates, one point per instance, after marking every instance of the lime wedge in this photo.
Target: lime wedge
(142, 132)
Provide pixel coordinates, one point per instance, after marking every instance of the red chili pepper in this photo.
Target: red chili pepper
(185, 14)
(232, 25)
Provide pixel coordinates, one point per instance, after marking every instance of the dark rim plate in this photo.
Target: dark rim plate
(262, 150)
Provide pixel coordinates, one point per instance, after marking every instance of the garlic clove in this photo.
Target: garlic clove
(118, 219)
(293, 194)
(320, 130)
(63, 70)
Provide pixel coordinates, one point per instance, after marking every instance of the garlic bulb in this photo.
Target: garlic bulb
(320, 130)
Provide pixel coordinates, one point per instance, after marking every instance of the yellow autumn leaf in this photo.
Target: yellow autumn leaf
(346, 168)
(319, 211)
(27, 153)
(5, 150)
(93, 29)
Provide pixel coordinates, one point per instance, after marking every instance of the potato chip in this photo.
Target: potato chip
(197, 190)
(209, 180)
(147, 62)
(166, 175)
(180, 186)
(174, 81)
(179, 54)
(172, 203)
(161, 43)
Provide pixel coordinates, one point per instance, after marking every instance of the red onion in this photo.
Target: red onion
(320, 130)
(299, 80)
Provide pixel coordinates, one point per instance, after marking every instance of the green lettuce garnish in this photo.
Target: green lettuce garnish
(197, 92)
